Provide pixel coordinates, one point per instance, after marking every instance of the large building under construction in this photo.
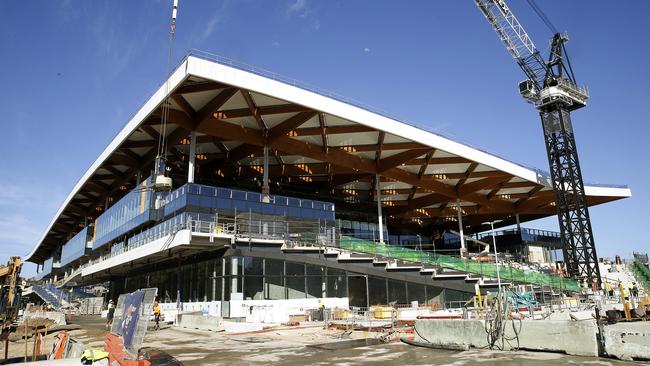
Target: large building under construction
(284, 192)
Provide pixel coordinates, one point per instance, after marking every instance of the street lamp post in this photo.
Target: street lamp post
(496, 256)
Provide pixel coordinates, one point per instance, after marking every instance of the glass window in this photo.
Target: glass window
(274, 267)
(253, 266)
(377, 291)
(453, 298)
(253, 287)
(315, 281)
(223, 193)
(397, 292)
(208, 191)
(274, 279)
(253, 197)
(193, 188)
(295, 280)
(336, 283)
(274, 288)
(357, 293)
(416, 292)
(238, 195)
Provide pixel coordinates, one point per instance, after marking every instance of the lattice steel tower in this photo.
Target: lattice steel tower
(552, 89)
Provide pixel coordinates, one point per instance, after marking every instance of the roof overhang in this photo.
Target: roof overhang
(316, 140)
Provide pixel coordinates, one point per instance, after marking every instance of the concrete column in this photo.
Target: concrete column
(192, 157)
(524, 246)
(463, 248)
(234, 266)
(214, 281)
(178, 283)
(379, 213)
(265, 183)
(518, 223)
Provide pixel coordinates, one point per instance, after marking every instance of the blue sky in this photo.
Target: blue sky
(74, 71)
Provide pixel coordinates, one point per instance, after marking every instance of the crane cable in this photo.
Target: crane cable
(542, 16)
(162, 135)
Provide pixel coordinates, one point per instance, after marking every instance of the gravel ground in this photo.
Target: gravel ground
(288, 346)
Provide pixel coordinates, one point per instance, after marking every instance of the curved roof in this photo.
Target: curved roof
(318, 140)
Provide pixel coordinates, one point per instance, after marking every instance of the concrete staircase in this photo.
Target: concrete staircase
(391, 264)
(47, 296)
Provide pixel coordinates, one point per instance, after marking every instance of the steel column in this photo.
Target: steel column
(192, 158)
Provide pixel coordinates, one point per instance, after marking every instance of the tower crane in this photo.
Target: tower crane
(551, 87)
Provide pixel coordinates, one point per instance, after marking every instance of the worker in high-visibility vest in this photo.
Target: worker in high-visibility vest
(624, 292)
(608, 289)
(156, 314)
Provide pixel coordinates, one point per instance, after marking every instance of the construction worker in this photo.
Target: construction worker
(156, 314)
(630, 292)
(110, 314)
(608, 289)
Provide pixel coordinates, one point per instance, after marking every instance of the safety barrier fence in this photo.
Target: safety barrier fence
(507, 271)
(642, 273)
(363, 317)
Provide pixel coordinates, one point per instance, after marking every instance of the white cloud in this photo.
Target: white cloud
(302, 10)
(297, 6)
(366, 49)
(275, 44)
(210, 27)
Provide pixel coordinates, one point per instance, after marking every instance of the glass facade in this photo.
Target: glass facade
(361, 229)
(274, 279)
(191, 202)
(133, 210)
(75, 248)
(47, 266)
(206, 199)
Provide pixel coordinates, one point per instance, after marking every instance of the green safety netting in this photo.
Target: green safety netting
(506, 272)
(642, 273)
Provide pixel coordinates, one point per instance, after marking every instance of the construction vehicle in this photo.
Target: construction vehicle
(551, 87)
(10, 295)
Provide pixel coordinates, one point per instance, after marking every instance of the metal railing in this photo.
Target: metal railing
(291, 232)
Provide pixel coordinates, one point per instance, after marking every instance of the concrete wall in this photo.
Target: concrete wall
(628, 341)
(571, 337)
(91, 306)
(198, 321)
(279, 311)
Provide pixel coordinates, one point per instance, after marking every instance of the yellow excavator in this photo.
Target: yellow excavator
(10, 295)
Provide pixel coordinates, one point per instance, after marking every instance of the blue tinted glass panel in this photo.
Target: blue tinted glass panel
(223, 192)
(238, 195)
(75, 247)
